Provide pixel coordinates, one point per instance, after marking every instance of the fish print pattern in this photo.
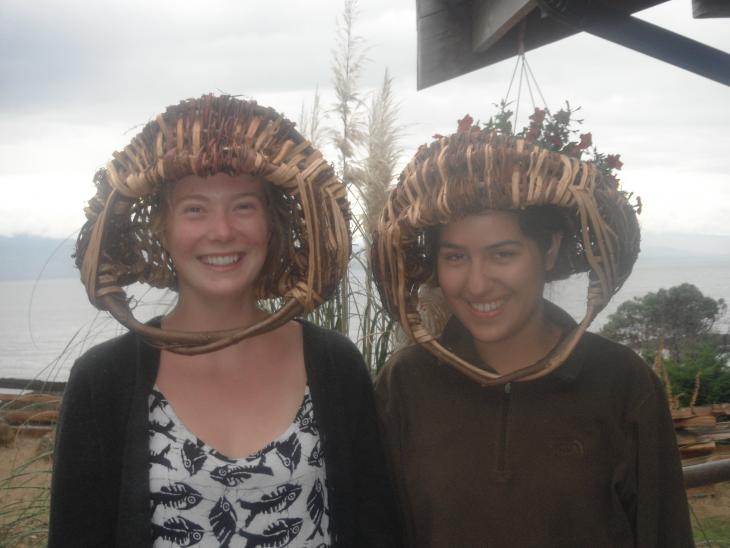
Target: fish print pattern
(272, 498)
(280, 533)
(305, 417)
(223, 520)
(279, 499)
(289, 451)
(316, 507)
(178, 530)
(316, 458)
(232, 475)
(161, 457)
(193, 456)
(178, 495)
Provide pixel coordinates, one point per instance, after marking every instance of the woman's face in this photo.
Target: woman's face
(492, 276)
(216, 232)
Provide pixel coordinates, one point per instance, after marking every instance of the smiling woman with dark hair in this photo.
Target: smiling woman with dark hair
(516, 427)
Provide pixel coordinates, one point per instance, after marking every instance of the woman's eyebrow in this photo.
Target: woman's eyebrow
(501, 243)
(205, 197)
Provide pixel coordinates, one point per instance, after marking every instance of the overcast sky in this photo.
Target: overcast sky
(78, 78)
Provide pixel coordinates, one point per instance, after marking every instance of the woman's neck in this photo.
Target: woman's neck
(532, 343)
(193, 315)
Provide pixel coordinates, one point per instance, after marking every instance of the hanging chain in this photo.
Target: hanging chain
(526, 78)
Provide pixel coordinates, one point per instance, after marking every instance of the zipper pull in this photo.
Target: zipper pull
(508, 388)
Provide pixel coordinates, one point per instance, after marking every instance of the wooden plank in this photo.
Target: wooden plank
(31, 398)
(23, 416)
(493, 18)
(32, 430)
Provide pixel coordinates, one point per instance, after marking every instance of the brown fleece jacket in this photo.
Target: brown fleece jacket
(584, 457)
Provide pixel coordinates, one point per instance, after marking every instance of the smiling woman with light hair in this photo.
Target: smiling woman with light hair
(516, 427)
(219, 424)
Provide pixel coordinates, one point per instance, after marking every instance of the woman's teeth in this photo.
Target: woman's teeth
(224, 260)
(487, 307)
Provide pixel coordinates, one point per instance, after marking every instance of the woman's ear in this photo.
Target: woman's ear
(551, 255)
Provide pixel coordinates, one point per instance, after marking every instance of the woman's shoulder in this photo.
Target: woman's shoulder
(332, 354)
(409, 366)
(322, 339)
(615, 364)
(107, 360)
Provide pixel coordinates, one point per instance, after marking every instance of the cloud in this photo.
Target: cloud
(79, 79)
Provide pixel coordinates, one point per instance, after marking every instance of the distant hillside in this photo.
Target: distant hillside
(29, 257)
(691, 246)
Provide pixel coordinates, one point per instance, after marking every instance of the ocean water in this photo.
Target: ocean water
(46, 325)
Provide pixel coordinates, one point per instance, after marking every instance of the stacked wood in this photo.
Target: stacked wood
(698, 431)
(32, 414)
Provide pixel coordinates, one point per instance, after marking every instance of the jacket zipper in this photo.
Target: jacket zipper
(502, 443)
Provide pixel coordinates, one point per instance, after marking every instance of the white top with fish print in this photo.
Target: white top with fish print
(199, 497)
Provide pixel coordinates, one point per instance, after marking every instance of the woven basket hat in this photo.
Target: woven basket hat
(119, 245)
(469, 172)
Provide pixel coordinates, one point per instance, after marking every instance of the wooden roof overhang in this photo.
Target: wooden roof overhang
(459, 36)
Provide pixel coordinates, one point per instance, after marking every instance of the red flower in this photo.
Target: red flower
(465, 124)
(538, 116)
(613, 161)
(555, 140)
(586, 140)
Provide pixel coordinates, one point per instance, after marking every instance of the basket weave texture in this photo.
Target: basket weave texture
(469, 172)
(119, 244)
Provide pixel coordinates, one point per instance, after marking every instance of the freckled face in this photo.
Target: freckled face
(492, 276)
(216, 231)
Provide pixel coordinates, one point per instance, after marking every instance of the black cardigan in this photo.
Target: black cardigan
(100, 485)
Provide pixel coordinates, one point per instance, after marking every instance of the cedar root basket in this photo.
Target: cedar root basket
(475, 170)
(118, 245)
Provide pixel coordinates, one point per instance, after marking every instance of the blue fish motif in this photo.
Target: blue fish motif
(316, 507)
(280, 533)
(161, 458)
(178, 530)
(289, 452)
(223, 520)
(231, 475)
(305, 416)
(178, 495)
(193, 456)
(157, 428)
(277, 500)
(316, 457)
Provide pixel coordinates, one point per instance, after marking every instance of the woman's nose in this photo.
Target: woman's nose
(479, 280)
(220, 226)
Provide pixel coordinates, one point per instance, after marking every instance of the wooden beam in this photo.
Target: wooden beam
(445, 30)
(493, 18)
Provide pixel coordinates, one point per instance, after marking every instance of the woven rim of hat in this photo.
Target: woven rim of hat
(117, 246)
(469, 172)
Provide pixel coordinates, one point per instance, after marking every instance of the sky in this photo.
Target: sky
(78, 79)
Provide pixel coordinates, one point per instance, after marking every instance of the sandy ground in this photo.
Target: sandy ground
(24, 480)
